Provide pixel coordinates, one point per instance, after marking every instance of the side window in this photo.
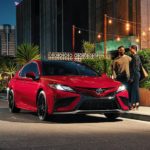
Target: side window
(32, 67)
(24, 70)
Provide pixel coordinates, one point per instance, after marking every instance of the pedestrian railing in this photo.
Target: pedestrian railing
(69, 56)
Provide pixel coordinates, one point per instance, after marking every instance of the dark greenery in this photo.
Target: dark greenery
(104, 65)
(101, 64)
(88, 47)
(7, 69)
(9, 65)
(27, 52)
(145, 58)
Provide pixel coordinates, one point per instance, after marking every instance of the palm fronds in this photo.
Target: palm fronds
(27, 52)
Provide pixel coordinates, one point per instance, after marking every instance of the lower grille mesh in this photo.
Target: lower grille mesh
(63, 102)
(98, 105)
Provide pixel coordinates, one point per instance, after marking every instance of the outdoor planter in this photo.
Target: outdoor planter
(144, 97)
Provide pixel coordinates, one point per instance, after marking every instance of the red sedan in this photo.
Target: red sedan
(65, 87)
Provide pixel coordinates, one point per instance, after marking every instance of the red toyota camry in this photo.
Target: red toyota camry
(65, 87)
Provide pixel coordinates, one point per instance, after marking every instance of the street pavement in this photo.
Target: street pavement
(143, 113)
(3, 96)
(24, 131)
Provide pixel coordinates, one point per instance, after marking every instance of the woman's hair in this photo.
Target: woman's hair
(134, 47)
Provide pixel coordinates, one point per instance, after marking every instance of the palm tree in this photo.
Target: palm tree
(1, 64)
(27, 52)
(7, 70)
(10, 67)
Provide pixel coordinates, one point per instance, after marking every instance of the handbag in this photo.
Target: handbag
(143, 73)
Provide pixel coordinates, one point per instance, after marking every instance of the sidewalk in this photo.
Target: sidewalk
(143, 113)
(3, 96)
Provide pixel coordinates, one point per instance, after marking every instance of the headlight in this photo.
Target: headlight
(61, 87)
(121, 88)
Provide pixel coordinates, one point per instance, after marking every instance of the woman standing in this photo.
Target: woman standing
(135, 67)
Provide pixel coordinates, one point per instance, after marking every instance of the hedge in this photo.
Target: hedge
(102, 65)
(145, 58)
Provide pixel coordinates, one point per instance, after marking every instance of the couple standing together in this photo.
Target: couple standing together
(126, 69)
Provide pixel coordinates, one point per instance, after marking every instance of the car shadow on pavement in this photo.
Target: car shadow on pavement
(29, 117)
(80, 118)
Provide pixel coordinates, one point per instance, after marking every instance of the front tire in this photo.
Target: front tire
(11, 102)
(112, 116)
(42, 108)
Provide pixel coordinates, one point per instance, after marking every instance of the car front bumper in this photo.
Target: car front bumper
(88, 104)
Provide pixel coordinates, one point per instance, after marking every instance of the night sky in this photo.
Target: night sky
(8, 12)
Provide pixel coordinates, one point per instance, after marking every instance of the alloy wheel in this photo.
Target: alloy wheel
(42, 106)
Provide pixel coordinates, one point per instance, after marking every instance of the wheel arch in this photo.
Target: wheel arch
(12, 102)
(48, 100)
(38, 94)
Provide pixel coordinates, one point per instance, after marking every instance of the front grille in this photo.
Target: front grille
(98, 104)
(93, 91)
(111, 94)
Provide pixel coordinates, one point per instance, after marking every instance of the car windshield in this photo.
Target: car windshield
(52, 68)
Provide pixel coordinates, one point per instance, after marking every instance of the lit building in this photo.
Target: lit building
(7, 40)
(145, 23)
(48, 23)
(123, 21)
(137, 12)
(27, 24)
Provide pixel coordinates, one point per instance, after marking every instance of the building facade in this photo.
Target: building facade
(121, 13)
(7, 40)
(48, 23)
(145, 23)
(27, 24)
(137, 12)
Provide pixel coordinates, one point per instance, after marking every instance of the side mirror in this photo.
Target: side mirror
(31, 75)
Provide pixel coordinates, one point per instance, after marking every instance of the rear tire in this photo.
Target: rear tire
(11, 102)
(112, 116)
(42, 108)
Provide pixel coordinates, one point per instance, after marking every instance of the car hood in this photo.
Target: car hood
(83, 81)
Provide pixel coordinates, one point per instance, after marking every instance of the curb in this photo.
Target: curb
(3, 98)
(141, 117)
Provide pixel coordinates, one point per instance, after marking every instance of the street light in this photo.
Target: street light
(137, 40)
(143, 33)
(79, 31)
(73, 41)
(62, 28)
(99, 36)
(127, 26)
(110, 21)
(118, 39)
(105, 35)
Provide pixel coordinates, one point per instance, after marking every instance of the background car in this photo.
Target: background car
(65, 87)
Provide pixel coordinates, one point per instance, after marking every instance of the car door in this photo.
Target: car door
(27, 87)
(19, 89)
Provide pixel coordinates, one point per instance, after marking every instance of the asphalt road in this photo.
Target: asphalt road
(24, 131)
